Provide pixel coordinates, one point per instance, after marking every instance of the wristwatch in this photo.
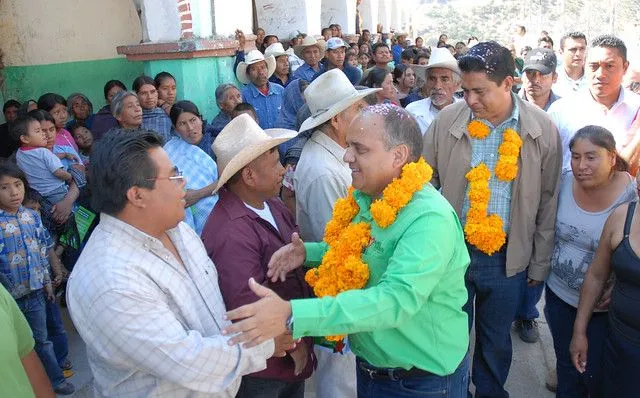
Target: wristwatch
(289, 324)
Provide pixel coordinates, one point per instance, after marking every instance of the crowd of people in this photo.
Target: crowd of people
(349, 215)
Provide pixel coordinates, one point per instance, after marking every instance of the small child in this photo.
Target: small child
(84, 139)
(24, 243)
(363, 61)
(352, 59)
(43, 169)
(245, 108)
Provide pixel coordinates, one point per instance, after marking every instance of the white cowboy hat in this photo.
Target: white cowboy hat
(308, 42)
(329, 94)
(277, 50)
(253, 57)
(242, 141)
(442, 58)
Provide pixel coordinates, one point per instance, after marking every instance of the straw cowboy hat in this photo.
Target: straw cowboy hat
(442, 58)
(329, 94)
(308, 42)
(242, 141)
(251, 58)
(277, 50)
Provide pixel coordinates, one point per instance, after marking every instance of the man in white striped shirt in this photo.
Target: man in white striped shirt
(144, 294)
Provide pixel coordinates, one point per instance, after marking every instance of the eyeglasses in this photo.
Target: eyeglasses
(177, 176)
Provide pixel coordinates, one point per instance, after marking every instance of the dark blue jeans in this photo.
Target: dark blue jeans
(56, 332)
(33, 306)
(561, 317)
(454, 385)
(527, 310)
(496, 301)
(621, 369)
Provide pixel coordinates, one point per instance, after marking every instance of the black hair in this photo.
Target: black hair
(267, 37)
(10, 104)
(491, 58)
(75, 128)
(120, 161)
(180, 107)
(573, 36)
(398, 71)
(409, 53)
(375, 77)
(440, 37)
(20, 127)
(461, 42)
(111, 84)
(610, 41)
(10, 169)
(471, 38)
(161, 77)
(324, 30)
(41, 115)
(24, 108)
(31, 195)
(141, 81)
(244, 107)
(421, 54)
(545, 39)
(377, 46)
(366, 30)
(49, 100)
(600, 137)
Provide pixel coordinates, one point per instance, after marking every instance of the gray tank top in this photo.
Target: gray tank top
(576, 240)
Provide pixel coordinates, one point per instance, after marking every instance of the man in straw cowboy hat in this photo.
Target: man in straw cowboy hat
(281, 74)
(244, 230)
(406, 324)
(442, 81)
(321, 177)
(311, 51)
(144, 294)
(263, 95)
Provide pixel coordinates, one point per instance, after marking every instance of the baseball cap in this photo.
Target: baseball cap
(542, 60)
(335, 42)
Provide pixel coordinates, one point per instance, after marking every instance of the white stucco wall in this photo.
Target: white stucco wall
(35, 32)
(283, 17)
(384, 14)
(230, 15)
(369, 14)
(342, 12)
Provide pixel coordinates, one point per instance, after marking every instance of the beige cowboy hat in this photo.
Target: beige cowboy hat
(252, 57)
(242, 141)
(329, 94)
(277, 50)
(442, 58)
(308, 42)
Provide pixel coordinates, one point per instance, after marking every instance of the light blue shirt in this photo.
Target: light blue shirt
(306, 72)
(486, 150)
(267, 106)
(199, 170)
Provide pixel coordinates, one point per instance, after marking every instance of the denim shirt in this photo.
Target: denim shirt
(24, 242)
(267, 106)
(306, 72)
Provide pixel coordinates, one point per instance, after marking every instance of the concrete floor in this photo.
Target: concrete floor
(529, 367)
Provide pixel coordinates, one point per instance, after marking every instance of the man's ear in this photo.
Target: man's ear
(136, 196)
(401, 155)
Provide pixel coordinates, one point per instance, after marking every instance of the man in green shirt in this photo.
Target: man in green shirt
(407, 326)
(21, 371)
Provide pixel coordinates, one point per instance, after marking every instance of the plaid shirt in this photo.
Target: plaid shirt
(152, 325)
(157, 121)
(200, 170)
(486, 151)
(24, 242)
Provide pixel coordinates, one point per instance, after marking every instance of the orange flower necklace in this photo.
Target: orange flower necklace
(483, 230)
(342, 267)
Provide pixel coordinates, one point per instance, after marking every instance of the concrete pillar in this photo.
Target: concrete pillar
(342, 12)
(396, 14)
(369, 14)
(283, 17)
(229, 15)
(384, 14)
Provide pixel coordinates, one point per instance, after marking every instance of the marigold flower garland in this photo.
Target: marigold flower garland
(342, 267)
(483, 230)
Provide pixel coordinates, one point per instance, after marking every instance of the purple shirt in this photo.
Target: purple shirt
(241, 243)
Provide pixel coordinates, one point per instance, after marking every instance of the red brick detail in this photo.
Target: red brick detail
(186, 25)
(186, 17)
(184, 7)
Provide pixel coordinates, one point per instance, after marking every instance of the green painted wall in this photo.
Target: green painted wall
(197, 79)
(87, 77)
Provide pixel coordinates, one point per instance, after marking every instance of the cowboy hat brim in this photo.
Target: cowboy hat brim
(320, 43)
(251, 152)
(323, 115)
(241, 70)
(276, 54)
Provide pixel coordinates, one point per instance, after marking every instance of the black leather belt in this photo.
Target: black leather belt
(390, 373)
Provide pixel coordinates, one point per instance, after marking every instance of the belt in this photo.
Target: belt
(390, 373)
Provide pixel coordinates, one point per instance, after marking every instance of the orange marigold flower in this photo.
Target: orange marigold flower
(383, 213)
(478, 130)
(510, 135)
(480, 172)
(506, 171)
